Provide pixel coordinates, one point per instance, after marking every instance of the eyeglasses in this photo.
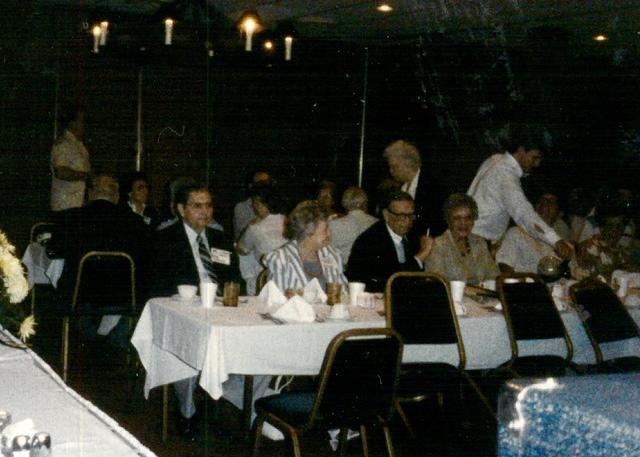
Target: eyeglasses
(208, 205)
(410, 216)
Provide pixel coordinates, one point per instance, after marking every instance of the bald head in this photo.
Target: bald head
(104, 187)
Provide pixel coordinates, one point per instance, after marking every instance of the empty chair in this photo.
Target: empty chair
(605, 320)
(531, 315)
(105, 285)
(418, 306)
(357, 384)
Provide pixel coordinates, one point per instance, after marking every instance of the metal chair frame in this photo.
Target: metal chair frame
(462, 357)
(593, 283)
(66, 319)
(325, 372)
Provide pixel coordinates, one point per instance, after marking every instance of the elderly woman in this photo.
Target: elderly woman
(308, 254)
(135, 196)
(457, 254)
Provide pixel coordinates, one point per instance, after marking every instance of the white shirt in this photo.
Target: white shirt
(263, 237)
(68, 151)
(193, 242)
(521, 251)
(497, 190)
(345, 230)
(242, 214)
(412, 186)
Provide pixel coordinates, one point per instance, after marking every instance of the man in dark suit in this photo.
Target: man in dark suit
(383, 249)
(101, 225)
(189, 252)
(405, 166)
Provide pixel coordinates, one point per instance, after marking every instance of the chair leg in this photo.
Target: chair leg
(405, 419)
(483, 398)
(388, 441)
(295, 440)
(165, 412)
(65, 348)
(342, 443)
(363, 437)
(256, 443)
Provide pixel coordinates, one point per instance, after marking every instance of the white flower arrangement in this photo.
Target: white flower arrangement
(14, 292)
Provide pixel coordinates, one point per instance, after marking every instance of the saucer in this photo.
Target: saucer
(177, 297)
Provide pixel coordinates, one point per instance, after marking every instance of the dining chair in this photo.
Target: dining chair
(419, 307)
(105, 285)
(36, 230)
(531, 315)
(356, 389)
(605, 320)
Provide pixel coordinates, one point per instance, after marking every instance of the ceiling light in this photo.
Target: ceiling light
(168, 31)
(104, 29)
(268, 45)
(384, 8)
(249, 23)
(600, 38)
(96, 31)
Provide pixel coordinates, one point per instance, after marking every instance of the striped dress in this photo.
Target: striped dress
(286, 269)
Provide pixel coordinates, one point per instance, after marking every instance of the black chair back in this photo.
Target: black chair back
(604, 317)
(105, 283)
(358, 378)
(530, 311)
(419, 308)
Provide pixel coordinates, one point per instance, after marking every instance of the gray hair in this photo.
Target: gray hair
(455, 201)
(405, 151)
(303, 221)
(354, 198)
(105, 187)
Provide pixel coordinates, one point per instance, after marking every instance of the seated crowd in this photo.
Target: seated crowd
(465, 236)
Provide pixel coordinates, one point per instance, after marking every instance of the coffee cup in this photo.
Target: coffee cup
(187, 291)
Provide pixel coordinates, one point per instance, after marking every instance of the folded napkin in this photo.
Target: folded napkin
(24, 427)
(272, 295)
(313, 293)
(296, 309)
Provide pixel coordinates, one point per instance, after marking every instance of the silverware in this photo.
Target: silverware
(269, 317)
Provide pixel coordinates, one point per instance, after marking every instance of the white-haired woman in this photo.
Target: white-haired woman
(308, 254)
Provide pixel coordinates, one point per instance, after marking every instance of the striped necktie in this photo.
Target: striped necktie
(205, 258)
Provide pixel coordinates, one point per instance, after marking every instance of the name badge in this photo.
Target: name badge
(220, 256)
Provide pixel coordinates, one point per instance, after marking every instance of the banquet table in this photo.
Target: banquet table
(177, 339)
(29, 388)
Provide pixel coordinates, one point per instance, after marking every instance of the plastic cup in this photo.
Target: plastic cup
(334, 291)
(208, 292)
(457, 291)
(355, 289)
(230, 293)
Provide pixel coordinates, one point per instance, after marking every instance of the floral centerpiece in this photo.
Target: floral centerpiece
(14, 290)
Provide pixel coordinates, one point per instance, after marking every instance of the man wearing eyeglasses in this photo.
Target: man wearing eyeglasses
(384, 249)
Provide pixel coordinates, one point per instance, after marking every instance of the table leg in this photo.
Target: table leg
(247, 403)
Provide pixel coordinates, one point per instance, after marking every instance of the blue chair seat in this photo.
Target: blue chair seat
(294, 408)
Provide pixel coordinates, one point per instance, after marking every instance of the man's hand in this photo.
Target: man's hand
(564, 249)
(426, 244)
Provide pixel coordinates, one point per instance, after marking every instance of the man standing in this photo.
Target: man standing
(69, 165)
(497, 190)
(405, 166)
(383, 249)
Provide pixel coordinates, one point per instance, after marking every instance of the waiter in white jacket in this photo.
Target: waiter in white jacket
(497, 190)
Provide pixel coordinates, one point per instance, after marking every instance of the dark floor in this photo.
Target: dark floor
(101, 375)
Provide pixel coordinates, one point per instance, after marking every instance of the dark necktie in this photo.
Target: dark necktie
(205, 258)
(405, 246)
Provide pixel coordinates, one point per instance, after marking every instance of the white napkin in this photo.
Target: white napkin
(296, 309)
(313, 293)
(24, 427)
(272, 295)
(460, 309)
(632, 301)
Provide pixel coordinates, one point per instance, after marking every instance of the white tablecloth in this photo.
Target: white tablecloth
(40, 268)
(178, 340)
(30, 389)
